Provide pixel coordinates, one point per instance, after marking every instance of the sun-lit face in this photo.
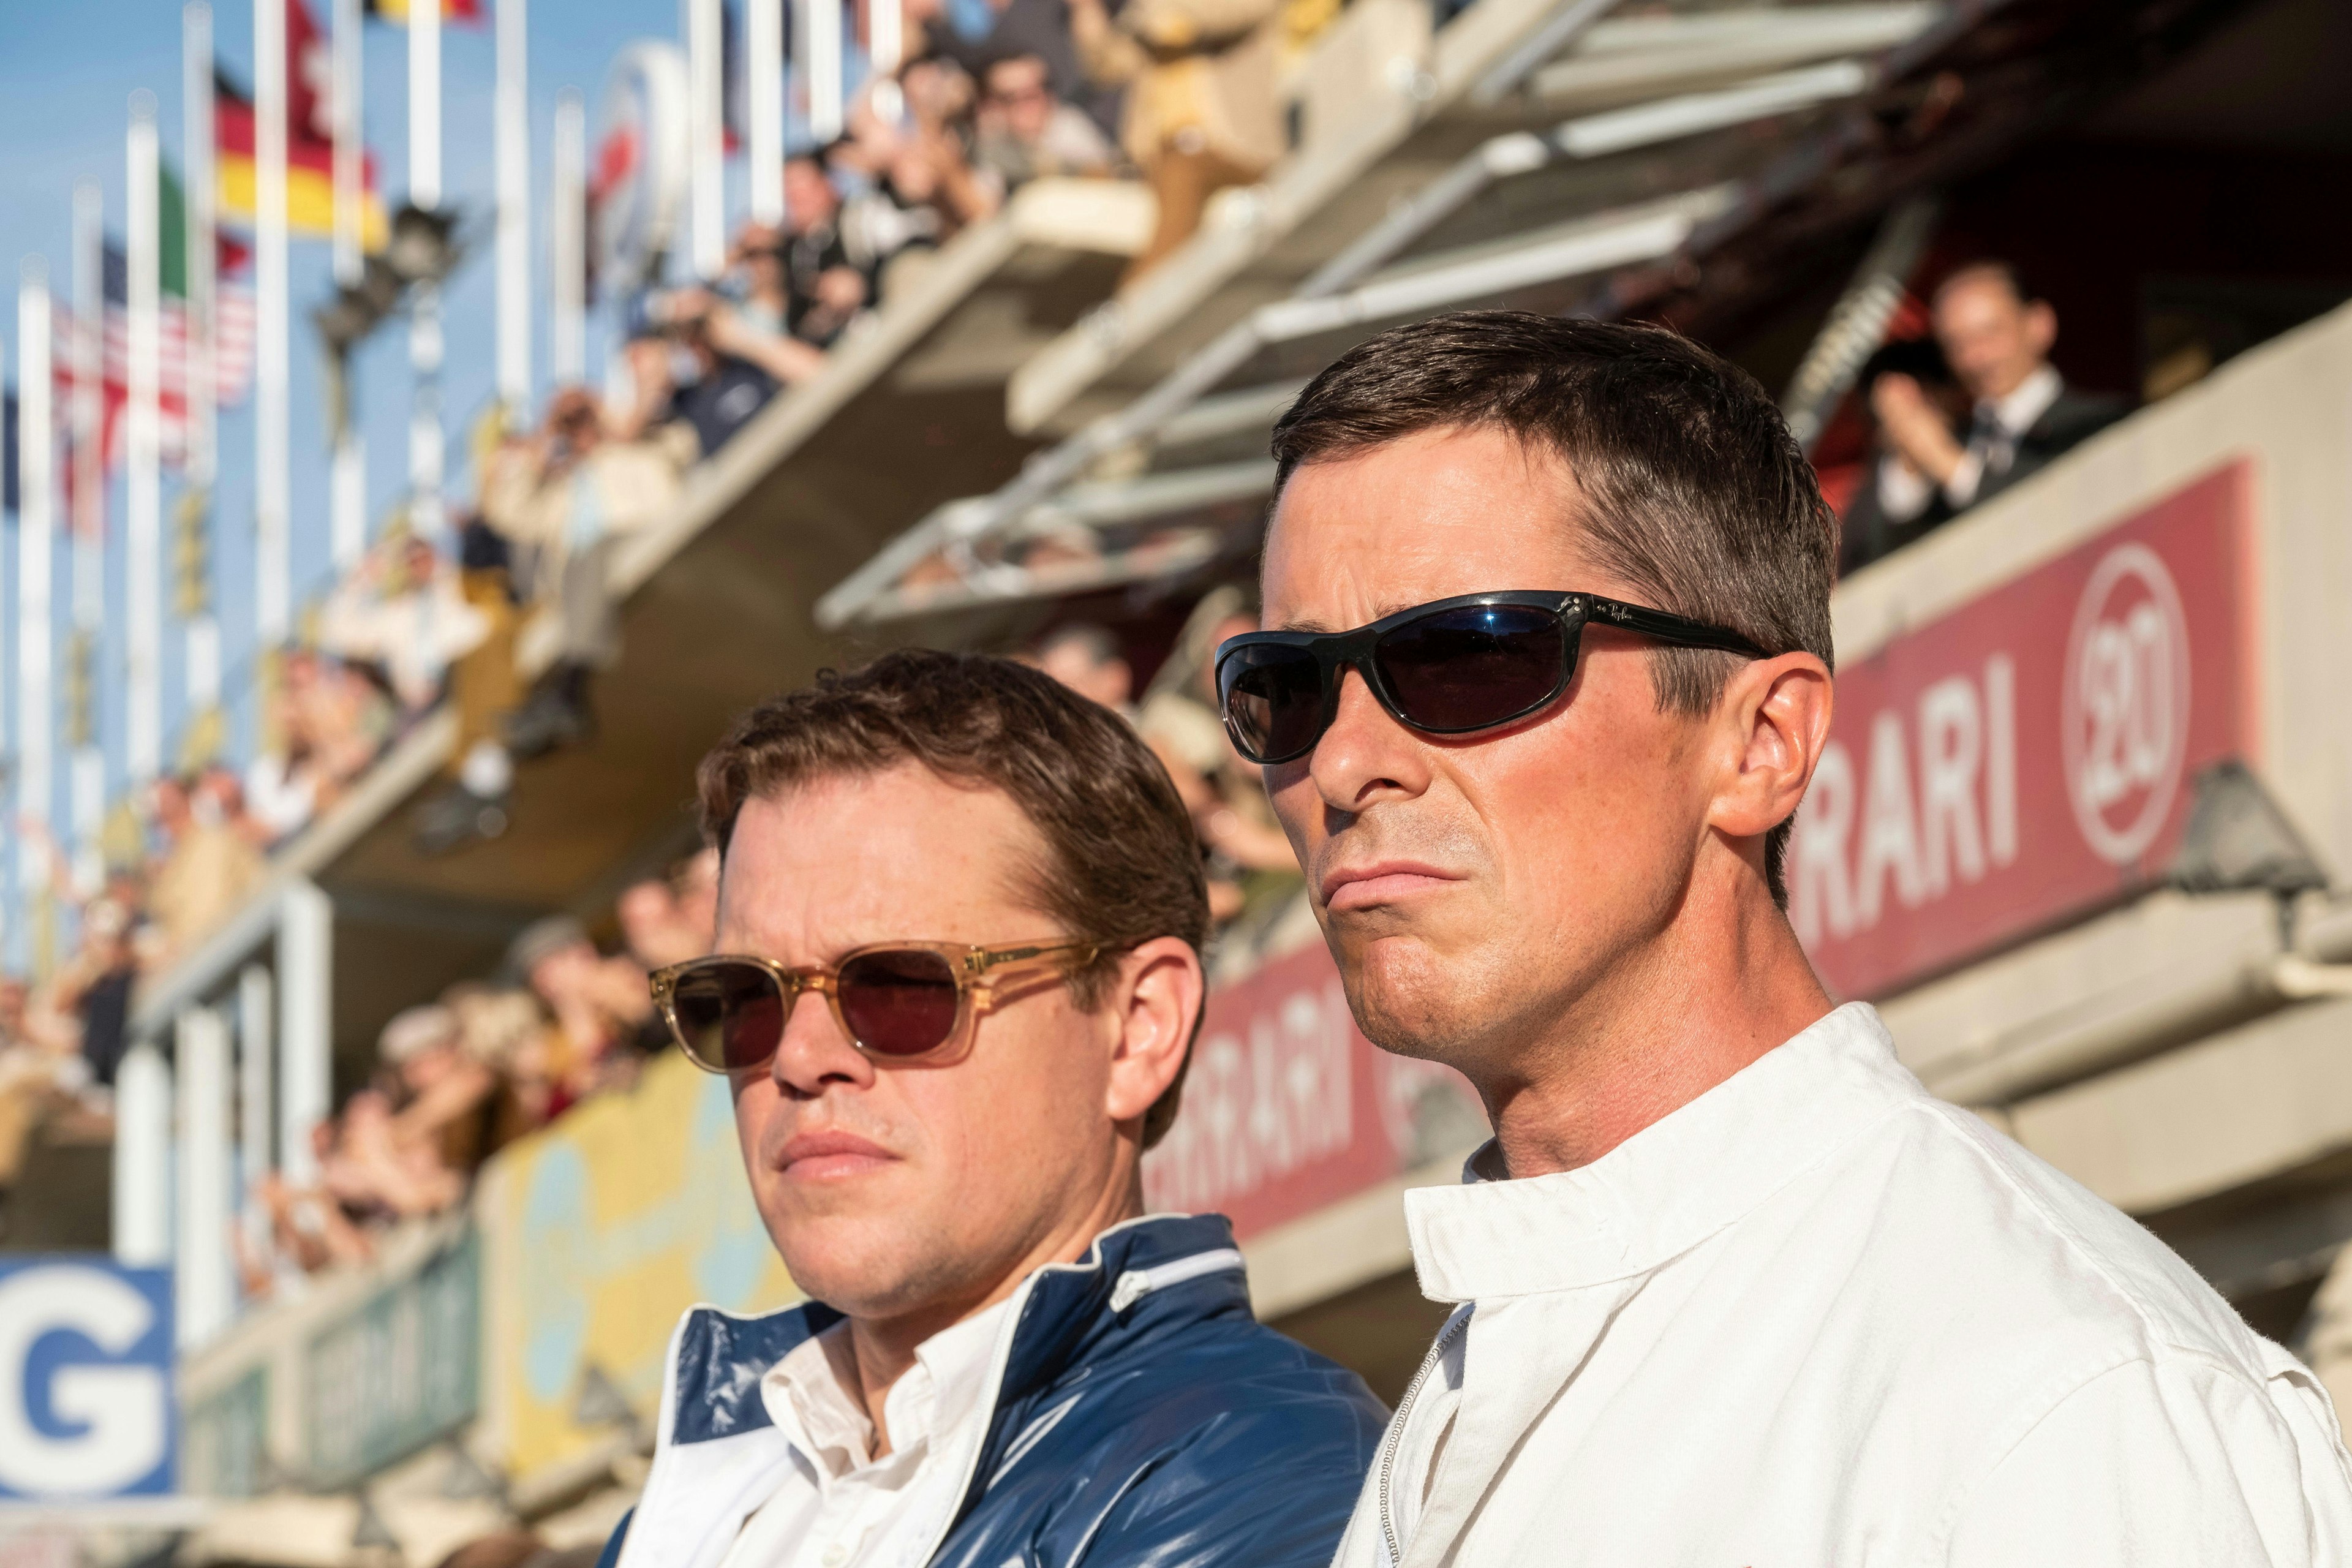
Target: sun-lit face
(1473, 889)
(890, 1191)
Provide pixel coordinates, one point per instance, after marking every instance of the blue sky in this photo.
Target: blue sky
(66, 76)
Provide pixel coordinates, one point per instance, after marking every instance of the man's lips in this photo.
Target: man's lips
(830, 1156)
(1382, 882)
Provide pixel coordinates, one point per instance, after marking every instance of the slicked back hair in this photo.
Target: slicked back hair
(1122, 862)
(1694, 493)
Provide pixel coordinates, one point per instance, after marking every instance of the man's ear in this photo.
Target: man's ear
(1155, 1002)
(1775, 719)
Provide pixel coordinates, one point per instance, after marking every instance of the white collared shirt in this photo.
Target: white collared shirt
(838, 1506)
(1818, 1316)
(1904, 492)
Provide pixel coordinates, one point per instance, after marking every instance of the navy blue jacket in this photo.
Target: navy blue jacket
(1140, 1415)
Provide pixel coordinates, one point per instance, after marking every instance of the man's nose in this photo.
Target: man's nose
(814, 1053)
(1366, 755)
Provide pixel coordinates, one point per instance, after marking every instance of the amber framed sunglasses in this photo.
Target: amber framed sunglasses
(905, 1003)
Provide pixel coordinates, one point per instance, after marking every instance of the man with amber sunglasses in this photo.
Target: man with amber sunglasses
(957, 975)
(1546, 673)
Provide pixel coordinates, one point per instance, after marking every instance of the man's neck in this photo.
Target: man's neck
(1722, 985)
(883, 1348)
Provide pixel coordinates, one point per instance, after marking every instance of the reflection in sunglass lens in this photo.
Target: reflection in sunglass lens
(1273, 699)
(730, 1017)
(1466, 668)
(899, 1002)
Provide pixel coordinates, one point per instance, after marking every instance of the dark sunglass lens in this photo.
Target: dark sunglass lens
(730, 1017)
(1455, 670)
(901, 1002)
(1273, 697)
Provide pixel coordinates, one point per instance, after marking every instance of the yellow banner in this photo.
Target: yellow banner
(596, 1234)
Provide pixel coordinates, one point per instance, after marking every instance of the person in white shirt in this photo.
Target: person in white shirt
(958, 973)
(1547, 672)
(1996, 340)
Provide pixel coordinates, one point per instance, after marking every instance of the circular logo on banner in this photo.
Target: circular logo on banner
(639, 176)
(2125, 705)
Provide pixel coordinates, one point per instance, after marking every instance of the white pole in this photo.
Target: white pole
(202, 654)
(305, 955)
(273, 560)
(205, 1283)
(254, 1063)
(514, 205)
(347, 478)
(567, 243)
(763, 69)
(36, 540)
(143, 527)
(143, 1157)
(825, 68)
(707, 132)
(426, 452)
(87, 781)
(886, 37)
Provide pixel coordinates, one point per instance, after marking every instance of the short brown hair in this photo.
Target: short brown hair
(1694, 493)
(1123, 862)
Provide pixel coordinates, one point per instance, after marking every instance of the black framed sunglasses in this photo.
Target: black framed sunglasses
(912, 1003)
(1451, 666)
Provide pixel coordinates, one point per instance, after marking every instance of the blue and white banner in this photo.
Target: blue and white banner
(86, 1401)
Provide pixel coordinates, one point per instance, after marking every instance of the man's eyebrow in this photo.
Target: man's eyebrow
(1306, 624)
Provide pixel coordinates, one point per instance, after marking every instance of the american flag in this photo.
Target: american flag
(233, 325)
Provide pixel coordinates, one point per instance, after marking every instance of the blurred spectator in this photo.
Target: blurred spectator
(97, 983)
(1203, 106)
(600, 1005)
(327, 722)
(1997, 342)
(1085, 659)
(669, 919)
(1024, 132)
(1252, 869)
(404, 612)
(210, 865)
(972, 32)
(445, 1094)
(827, 287)
(701, 366)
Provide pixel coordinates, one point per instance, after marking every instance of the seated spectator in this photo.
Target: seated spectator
(600, 1007)
(1025, 133)
(209, 866)
(1997, 342)
(1085, 659)
(827, 287)
(1203, 102)
(326, 724)
(668, 920)
(973, 33)
(563, 499)
(445, 1095)
(404, 612)
(486, 688)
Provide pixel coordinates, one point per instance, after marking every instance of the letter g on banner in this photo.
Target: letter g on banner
(85, 1354)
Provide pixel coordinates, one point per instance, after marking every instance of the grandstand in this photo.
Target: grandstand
(2152, 988)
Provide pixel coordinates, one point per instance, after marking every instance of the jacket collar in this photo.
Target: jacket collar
(1669, 1186)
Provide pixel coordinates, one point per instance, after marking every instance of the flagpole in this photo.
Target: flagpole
(567, 243)
(201, 648)
(825, 68)
(348, 472)
(514, 206)
(886, 37)
(707, 136)
(87, 781)
(425, 461)
(35, 574)
(763, 68)
(274, 567)
(143, 530)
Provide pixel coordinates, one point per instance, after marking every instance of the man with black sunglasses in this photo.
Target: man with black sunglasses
(956, 980)
(1546, 674)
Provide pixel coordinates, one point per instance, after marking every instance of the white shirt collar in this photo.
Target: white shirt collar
(2027, 401)
(1670, 1185)
(807, 1399)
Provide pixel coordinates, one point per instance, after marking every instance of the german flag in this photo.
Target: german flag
(396, 11)
(310, 172)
